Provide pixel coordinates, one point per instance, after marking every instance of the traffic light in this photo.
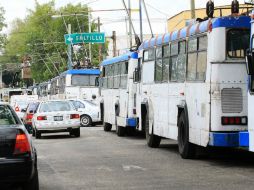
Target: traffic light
(210, 9)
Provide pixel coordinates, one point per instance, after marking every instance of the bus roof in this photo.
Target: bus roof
(124, 57)
(228, 22)
(82, 72)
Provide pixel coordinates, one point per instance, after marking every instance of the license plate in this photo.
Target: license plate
(58, 118)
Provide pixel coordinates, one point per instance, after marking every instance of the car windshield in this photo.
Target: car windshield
(22, 105)
(55, 106)
(32, 107)
(6, 116)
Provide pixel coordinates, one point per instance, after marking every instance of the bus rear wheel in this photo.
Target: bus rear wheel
(186, 149)
(153, 141)
(107, 127)
(120, 131)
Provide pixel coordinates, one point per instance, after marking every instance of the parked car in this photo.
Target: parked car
(18, 156)
(19, 107)
(56, 116)
(89, 112)
(20, 103)
(28, 115)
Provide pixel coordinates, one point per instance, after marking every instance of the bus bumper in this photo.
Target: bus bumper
(127, 122)
(224, 139)
(244, 139)
(132, 122)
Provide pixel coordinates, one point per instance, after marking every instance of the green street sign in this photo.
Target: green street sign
(79, 38)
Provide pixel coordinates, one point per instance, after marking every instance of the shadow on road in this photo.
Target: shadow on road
(55, 136)
(227, 157)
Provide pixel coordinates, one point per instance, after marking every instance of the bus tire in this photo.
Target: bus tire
(153, 141)
(120, 131)
(107, 127)
(85, 121)
(186, 149)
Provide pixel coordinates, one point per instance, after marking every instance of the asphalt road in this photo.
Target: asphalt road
(102, 161)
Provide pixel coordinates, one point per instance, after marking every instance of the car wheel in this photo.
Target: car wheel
(85, 121)
(107, 127)
(120, 131)
(186, 149)
(76, 132)
(32, 184)
(37, 134)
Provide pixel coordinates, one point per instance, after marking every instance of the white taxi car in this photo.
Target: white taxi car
(89, 112)
(56, 116)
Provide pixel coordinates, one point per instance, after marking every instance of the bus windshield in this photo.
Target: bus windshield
(83, 80)
(237, 43)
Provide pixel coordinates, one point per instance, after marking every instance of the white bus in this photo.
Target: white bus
(247, 138)
(76, 84)
(118, 93)
(193, 85)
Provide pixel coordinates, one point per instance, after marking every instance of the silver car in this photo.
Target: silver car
(56, 116)
(89, 112)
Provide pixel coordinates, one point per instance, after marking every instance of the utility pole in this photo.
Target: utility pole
(90, 30)
(100, 47)
(192, 3)
(114, 43)
(140, 18)
(130, 29)
(69, 50)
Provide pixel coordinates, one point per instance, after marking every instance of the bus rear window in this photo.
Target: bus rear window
(237, 43)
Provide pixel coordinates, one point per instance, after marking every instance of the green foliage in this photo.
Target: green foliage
(37, 34)
(2, 25)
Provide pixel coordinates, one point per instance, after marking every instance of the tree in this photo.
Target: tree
(2, 25)
(42, 38)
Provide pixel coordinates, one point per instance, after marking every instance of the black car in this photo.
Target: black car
(18, 159)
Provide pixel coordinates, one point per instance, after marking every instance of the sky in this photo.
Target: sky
(159, 11)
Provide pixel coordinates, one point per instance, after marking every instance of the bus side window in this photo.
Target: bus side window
(192, 59)
(181, 62)
(158, 65)
(173, 60)
(202, 58)
(124, 72)
(165, 63)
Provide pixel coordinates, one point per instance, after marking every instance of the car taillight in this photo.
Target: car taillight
(41, 118)
(16, 108)
(74, 116)
(234, 120)
(29, 116)
(22, 145)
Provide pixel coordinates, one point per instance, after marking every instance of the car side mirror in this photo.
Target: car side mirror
(250, 62)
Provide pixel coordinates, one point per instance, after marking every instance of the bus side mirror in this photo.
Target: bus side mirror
(136, 75)
(97, 81)
(250, 62)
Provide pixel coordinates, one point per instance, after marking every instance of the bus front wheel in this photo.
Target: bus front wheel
(120, 131)
(153, 141)
(186, 149)
(107, 127)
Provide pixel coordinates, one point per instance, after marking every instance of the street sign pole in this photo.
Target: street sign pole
(69, 50)
(90, 30)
